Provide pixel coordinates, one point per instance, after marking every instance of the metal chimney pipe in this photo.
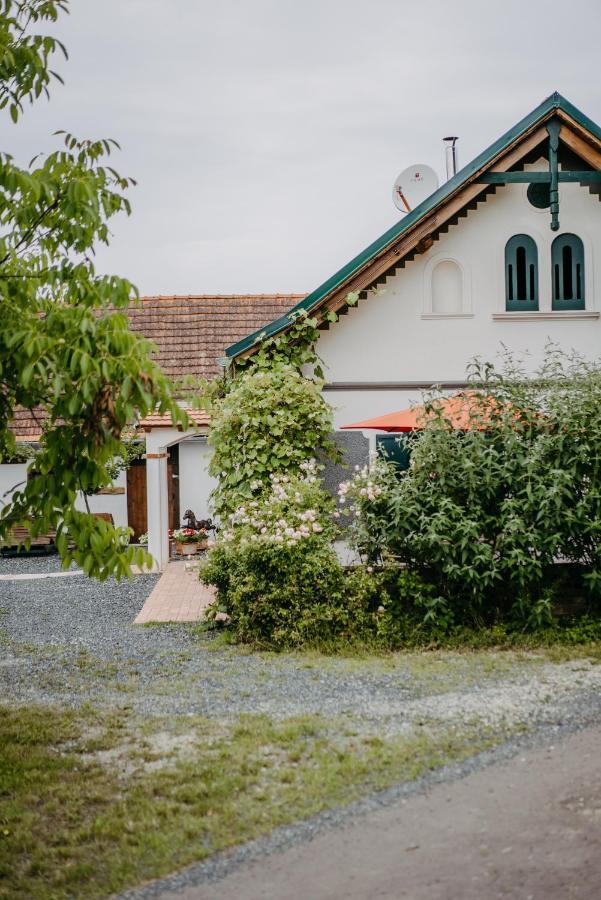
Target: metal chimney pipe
(451, 155)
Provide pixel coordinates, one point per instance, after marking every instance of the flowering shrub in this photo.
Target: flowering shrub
(189, 535)
(269, 421)
(271, 416)
(276, 572)
(364, 500)
(292, 508)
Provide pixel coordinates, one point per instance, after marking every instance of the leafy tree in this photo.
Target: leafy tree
(66, 351)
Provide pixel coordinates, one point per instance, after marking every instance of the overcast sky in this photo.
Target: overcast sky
(265, 135)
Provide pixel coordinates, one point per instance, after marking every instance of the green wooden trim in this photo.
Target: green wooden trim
(567, 292)
(553, 128)
(584, 177)
(587, 177)
(314, 299)
(521, 293)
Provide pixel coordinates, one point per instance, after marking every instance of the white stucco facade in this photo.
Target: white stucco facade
(195, 483)
(115, 503)
(395, 337)
(12, 478)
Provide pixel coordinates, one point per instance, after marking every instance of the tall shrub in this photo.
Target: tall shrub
(276, 572)
(271, 417)
(486, 510)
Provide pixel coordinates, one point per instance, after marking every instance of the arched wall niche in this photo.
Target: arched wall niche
(447, 288)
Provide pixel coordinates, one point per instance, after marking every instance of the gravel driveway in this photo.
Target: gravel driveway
(67, 641)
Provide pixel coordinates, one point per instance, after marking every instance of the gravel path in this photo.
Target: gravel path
(30, 565)
(69, 640)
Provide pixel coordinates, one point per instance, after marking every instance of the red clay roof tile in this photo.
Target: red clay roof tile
(190, 332)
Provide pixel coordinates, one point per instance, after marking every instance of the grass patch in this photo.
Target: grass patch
(90, 805)
(577, 635)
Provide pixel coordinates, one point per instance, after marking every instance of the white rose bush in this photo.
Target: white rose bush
(277, 575)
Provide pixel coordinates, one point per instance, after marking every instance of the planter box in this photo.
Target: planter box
(188, 549)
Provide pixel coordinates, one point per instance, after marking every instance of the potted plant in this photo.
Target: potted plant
(186, 541)
(203, 538)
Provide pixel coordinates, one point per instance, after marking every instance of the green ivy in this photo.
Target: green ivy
(270, 417)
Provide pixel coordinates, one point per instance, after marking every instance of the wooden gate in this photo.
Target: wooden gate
(137, 510)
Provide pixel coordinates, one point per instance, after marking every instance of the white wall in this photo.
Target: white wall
(395, 337)
(10, 475)
(195, 483)
(115, 504)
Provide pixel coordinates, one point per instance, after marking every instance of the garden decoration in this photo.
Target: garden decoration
(190, 519)
(189, 541)
(198, 524)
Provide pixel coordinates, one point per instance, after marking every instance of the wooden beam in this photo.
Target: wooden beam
(424, 245)
(587, 176)
(583, 148)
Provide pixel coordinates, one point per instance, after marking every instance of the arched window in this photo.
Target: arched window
(567, 266)
(521, 274)
(447, 288)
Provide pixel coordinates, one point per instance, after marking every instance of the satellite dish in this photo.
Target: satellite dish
(412, 186)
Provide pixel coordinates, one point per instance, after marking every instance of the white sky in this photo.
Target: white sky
(265, 135)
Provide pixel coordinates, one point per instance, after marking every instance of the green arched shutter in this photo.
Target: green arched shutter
(521, 274)
(567, 270)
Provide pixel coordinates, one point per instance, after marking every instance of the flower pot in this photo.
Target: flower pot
(188, 549)
(203, 544)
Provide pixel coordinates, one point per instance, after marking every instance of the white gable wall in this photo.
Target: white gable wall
(395, 337)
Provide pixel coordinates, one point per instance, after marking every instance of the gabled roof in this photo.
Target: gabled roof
(418, 225)
(163, 420)
(190, 333)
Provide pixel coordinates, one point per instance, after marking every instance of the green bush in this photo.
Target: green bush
(275, 569)
(281, 597)
(485, 511)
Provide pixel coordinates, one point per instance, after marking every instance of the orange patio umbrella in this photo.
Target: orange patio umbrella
(463, 411)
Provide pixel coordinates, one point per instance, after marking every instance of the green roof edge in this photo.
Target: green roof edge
(554, 101)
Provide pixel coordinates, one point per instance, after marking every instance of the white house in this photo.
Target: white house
(504, 253)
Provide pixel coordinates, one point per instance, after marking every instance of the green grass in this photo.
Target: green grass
(91, 804)
(579, 635)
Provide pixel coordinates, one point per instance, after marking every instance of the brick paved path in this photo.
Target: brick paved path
(178, 596)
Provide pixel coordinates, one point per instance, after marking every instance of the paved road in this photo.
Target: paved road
(527, 829)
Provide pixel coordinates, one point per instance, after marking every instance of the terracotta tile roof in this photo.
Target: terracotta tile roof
(192, 332)
(27, 425)
(163, 420)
